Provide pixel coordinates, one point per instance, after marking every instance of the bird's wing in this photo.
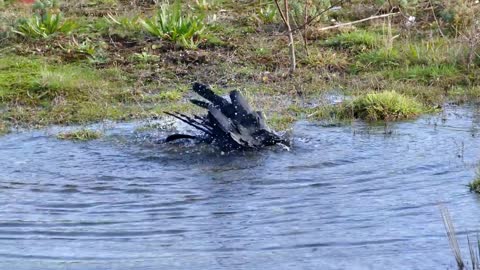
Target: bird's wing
(206, 92)
(239, 103)
(191, 121)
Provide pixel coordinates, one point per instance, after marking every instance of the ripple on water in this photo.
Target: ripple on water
(357, 196)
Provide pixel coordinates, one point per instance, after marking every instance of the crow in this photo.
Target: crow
(231, 125)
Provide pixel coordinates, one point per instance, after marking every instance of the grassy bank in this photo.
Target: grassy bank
(65, 62)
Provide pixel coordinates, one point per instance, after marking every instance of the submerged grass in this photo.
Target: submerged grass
(80, 135)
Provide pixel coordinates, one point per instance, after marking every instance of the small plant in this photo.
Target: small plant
(267, 13)
(80, 135)
(93, 52)
(125, 23)
(388, 105)
(145, 57)
(171, 24)
(44, 26)
(475, 184)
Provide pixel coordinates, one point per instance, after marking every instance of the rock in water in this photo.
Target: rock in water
(231, 125)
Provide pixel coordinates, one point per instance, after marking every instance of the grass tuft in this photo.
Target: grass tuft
(80, 135)
(387, 105)
(358, 40)
(475, 184)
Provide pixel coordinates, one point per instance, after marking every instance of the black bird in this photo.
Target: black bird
(231, 125)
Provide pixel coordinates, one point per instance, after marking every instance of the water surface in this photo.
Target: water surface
(356, 197)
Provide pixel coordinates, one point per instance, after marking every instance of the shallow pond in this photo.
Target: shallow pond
(349, 197)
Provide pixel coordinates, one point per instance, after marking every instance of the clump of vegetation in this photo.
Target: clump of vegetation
(123, 26)
(44, 26)
(475, 184)
(433, 74)
(172, 24)
(40, 92)
(3, 128)
(357, 40)
(80, 135)
(45, 22)
(387, 105)
(267, 13)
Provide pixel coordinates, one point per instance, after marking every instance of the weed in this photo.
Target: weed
(80, 135)
(475, 184)
(88, 49)
(124, 25)
(44, 26)
(388, 105)
(171, 24)
(267, 13)
(145, 57)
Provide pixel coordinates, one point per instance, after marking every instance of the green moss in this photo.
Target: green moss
(388, 105)
(80, 135)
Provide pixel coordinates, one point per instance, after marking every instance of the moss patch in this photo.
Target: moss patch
(388, 105)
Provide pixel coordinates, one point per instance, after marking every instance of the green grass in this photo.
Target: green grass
(435, 74)
(58, 93)
(475, 184)
(387, 105)
(80, 135)
(378, 59)
(33, 81)
(357, 40)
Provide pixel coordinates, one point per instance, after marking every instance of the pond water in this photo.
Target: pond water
(344, 197)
